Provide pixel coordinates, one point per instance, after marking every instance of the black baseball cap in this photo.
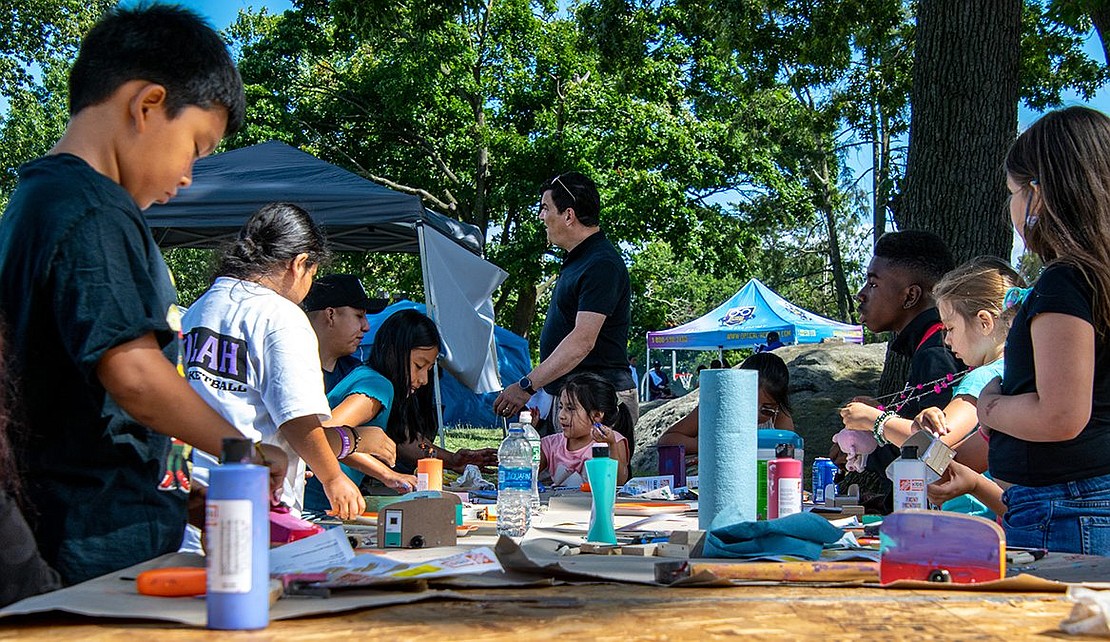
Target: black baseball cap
(339, 290)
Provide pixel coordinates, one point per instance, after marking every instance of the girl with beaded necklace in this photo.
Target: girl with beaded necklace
(1049, 415)
(970, 303)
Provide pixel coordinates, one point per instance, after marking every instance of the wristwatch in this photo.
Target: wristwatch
(526, 385)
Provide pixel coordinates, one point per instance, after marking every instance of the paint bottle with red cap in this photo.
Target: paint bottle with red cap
(784, 483)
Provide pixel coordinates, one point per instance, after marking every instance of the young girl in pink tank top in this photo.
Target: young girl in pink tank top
(588, 413)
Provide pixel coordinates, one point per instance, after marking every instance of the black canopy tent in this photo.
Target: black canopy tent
(357, 214)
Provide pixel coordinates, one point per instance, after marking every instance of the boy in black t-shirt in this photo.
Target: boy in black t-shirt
(89, 303)
(898, 297)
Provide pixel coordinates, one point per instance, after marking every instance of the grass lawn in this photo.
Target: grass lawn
(472, 437)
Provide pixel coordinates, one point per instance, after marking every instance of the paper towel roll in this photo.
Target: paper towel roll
(727, 445)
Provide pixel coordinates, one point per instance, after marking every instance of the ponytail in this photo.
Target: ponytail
(274, 235)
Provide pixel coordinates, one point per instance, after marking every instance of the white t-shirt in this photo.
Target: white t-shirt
(253, 356)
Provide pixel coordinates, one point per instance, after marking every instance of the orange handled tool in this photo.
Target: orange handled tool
(172, 582)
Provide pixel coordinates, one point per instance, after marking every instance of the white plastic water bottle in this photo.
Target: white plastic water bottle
(534, 441)
(514, 479)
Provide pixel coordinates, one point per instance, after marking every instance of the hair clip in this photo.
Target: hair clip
(1015, 296)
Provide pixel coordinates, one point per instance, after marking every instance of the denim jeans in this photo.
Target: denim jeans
(1073, 517)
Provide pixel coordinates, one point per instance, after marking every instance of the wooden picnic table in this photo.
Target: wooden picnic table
(632, 612)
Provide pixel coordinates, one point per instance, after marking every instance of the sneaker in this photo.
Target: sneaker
(183, 481)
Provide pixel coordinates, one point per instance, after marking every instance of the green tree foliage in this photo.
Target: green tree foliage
(474, 105)
(37, 43)
(721, 132)
(670, 291)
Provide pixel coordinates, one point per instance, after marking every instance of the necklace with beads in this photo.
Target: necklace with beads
(914, 392)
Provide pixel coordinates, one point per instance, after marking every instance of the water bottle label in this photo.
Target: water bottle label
(228, 528)
(536, 454)
(514, 478)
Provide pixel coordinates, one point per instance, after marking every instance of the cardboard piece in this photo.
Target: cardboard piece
(849, 499)
(935, 453)
(803, 571)
(114, 595)
(422, 522)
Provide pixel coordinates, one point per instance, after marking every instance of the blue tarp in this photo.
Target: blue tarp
(461, 405)
(744, 321)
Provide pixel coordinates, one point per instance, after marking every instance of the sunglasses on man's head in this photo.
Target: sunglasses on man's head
(559, 180)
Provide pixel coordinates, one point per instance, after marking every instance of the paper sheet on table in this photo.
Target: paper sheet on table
(566, 514)
(661, 522)
(313, 554)
(367, 570)
(564, 477)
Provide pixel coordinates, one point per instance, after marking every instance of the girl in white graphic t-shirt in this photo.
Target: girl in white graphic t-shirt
(252, 354)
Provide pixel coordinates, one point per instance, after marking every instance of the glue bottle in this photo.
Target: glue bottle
(908, 475)
(237, 527)
(784, 483)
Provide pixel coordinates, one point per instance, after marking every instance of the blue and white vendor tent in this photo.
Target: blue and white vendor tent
(745, 319)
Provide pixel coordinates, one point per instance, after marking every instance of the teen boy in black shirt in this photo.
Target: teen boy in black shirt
(898, 297)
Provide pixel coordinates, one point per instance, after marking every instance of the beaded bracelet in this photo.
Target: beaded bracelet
(357, 439)
(877, 429)
(345, 442)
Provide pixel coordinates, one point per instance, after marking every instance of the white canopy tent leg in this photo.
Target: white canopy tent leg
(430, 304)
(640, 387)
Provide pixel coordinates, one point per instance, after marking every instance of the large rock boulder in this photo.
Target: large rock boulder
(822, 378)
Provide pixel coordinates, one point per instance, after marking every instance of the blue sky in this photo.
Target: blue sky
(223, 12)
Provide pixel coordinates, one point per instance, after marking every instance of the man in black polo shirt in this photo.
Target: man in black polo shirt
(586, 329)
(898, 297)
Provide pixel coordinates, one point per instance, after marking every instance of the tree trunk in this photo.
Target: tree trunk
(880, 148)
(840, 281)
(1100, 16)
(963, 120)
(525, 310)
(878, 204)
(480, 215)
(836, 261)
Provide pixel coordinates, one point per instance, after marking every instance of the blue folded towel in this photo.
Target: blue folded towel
(801, 535)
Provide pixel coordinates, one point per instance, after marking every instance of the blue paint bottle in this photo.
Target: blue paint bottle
(237, 529)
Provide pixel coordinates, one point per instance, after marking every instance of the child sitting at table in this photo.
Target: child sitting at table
(1049, 416)
(975, 322)
(774, 404)
(588, 413)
